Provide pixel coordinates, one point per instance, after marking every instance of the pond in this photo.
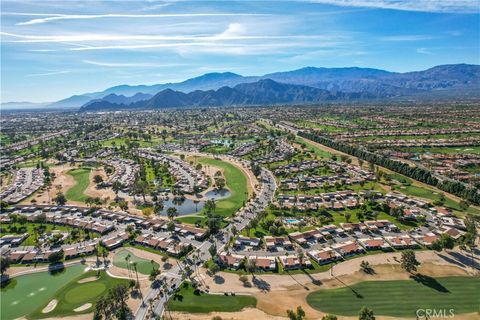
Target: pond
(24, 294)
(188, 206)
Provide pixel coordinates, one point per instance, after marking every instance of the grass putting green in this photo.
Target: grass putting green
(75, 294)
(236, 183)
(189, 300)
(401, 298)
(144, 266)
(82, 179)
(26, 293)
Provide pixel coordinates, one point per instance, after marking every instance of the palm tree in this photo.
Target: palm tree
(172, 213)
(127, 259)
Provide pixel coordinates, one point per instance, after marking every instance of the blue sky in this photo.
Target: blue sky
(54, 49)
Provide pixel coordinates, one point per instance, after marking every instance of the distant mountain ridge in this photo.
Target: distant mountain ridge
(265, 91)
(455, 80)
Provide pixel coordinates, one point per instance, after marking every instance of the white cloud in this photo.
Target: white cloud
(451, 6)
(49, 17)
(53, 73)
(129, 65)
(408, 38)
(424, 51)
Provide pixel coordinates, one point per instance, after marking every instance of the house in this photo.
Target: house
(294, 262)
(401, 242)
(264, 263)
(348, 248)
(273, 242)
(303, 237)
(324, 256)
(247, 241)
(452, 232)
(70, 253)
(352, 227)
(16, 256)
(229, 260)
(374, 244)
(426, 239)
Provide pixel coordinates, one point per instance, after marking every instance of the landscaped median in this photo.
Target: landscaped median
(188, 299)
(401, 298)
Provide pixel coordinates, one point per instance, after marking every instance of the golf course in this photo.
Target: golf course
(236, 183)
(27, 295)
(82, 179)
(143, 266)
(189, 300)
(400, 298)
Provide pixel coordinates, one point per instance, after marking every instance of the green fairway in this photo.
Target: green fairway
(82, 179)
(236, 183)
(143, 266)
(401, 298)
(313, 148)
(75, 294)
(187, 300)
(26, 293)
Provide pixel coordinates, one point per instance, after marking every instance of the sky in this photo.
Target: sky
(53, 49)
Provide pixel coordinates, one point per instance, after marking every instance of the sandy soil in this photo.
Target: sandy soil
(83, 307)
(50, 306)
(92, 191)
(62, 182)
(89, 279)
(245, 314)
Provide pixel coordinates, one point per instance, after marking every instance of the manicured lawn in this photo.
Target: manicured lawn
(469, 149)
(76, 294)
(82, 179)
(186, 299)
(236, 183)
(400, 298)
(143, 266)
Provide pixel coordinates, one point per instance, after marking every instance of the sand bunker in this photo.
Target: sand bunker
(50, 306)
(89, 279)
(83, 307)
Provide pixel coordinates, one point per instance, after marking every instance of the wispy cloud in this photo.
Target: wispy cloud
(53, 73)
(130, 64)
(49, 17)
(414, 37)
(450, 6)
(424, 51)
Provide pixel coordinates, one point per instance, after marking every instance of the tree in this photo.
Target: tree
(60, 199)
(147, 212)
(329, 317)
(172, 213)
(210, 206)
(116, 187)
(213, 250)
(298, 315)
(366, 314)
(214, 268)
(348, 215)
(470, 237)
(447, 241)
(366, 267)
(4, 264)
(97, 179)
(56, 257)
(409, 261)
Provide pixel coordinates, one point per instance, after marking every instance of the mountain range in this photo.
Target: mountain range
(306, 85)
